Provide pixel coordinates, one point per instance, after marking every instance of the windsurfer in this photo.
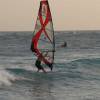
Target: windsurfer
(64, 44)
(38, 64)
(43, 34)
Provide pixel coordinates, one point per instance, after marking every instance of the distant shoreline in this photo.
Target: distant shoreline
(60, 31)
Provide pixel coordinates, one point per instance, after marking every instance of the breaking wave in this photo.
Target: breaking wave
(6, 78)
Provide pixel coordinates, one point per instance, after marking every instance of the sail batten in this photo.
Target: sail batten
(43, 39)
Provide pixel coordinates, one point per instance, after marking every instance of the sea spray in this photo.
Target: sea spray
(6, 78)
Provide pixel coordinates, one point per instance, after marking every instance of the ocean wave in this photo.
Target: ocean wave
(88, 60)
(74, 56)
(9, 76)
(6, 78)
(73, 65)
(11, 72)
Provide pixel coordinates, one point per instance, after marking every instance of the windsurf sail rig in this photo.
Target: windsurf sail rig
(43, 41)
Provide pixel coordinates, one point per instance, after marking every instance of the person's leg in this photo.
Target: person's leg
(38, 70)
(50, 66)
(43, 70)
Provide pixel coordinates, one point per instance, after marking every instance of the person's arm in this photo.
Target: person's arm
(46, 54)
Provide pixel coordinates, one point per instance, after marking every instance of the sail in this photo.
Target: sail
(43, 39)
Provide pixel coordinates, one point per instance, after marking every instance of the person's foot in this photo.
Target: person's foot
(38, 70)
(51, 67)
(44, 71)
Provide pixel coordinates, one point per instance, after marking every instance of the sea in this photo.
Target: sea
(76, 72)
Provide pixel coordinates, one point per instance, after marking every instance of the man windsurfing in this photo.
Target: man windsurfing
(64, 44)
(38, 63)
(43, 40)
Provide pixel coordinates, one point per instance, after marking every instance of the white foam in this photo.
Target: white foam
(6, 78)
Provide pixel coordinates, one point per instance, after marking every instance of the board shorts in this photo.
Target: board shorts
(39, 66)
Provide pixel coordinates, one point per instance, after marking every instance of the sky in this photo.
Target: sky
(20, 15)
